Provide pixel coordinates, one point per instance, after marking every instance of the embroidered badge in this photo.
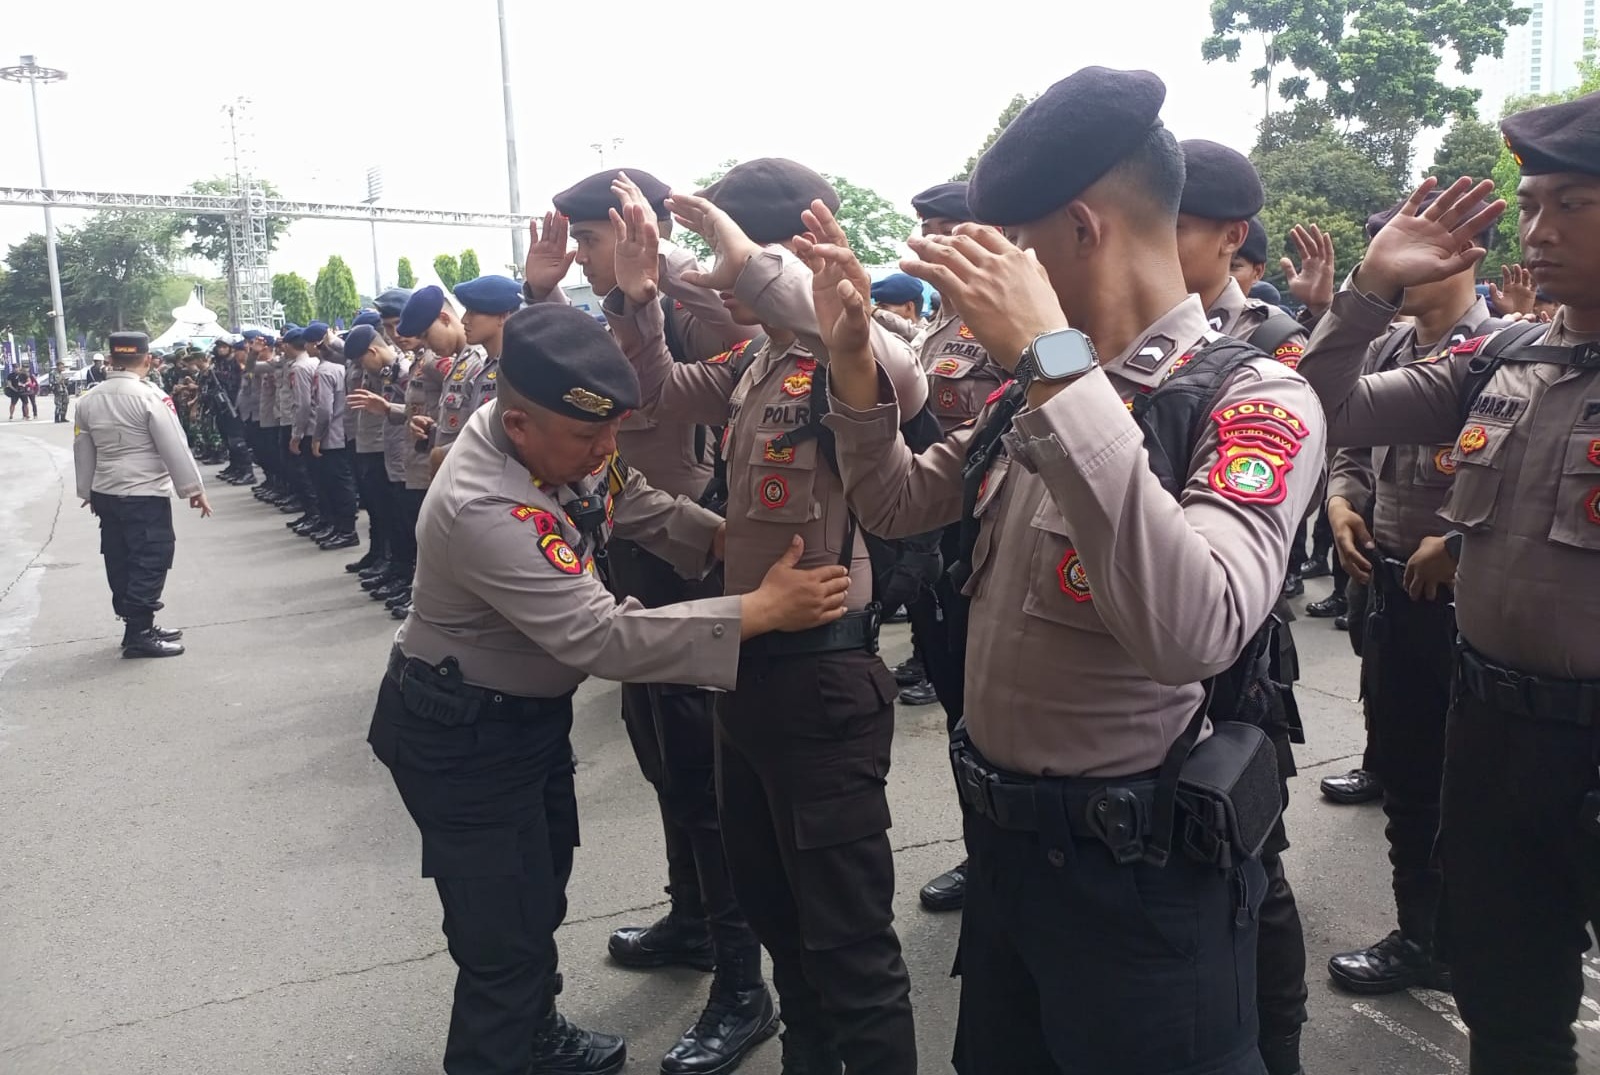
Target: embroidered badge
(1468, 347)
(1183, 360)
(522, 513)
(1074, 581)
(460, 374)
(774, 454)
(1594, 452)
(1260, 410)
(588, 402)
(1289, 354)
(1151, 353)
(1473, 439)
(1444, 461)
(964, 332)
(560, 554)
(774, 492)
(492, 374)
(455, 421)
(1592, 505)
(171, 406)
(947, 398)
(797, 384)
(946, 366)
(1250, 475)
(544, 524)
(588, 564)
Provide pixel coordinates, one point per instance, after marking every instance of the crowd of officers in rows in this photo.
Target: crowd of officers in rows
(1110, 452)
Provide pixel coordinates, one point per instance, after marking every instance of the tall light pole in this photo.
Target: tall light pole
(374, 192)
(519, 250)
(30, 72)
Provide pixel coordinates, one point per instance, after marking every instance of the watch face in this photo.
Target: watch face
(1059, 355)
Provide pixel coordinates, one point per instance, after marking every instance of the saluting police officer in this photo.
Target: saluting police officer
(473, 717)
(1520, 812)
(1114, 566)
(129, 453)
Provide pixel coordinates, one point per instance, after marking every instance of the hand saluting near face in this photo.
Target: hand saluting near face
(841, 291)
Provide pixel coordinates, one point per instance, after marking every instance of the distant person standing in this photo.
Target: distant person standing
(130, 453)
(97, 369)
(61, 389)
(17, 390)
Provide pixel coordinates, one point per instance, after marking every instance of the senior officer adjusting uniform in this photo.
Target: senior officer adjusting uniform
(1519, 843)
(803, 742)
(1100, 600)
(669, 725)
(473, 717)
(1222, 193)
(1408, 647)
(129, 452)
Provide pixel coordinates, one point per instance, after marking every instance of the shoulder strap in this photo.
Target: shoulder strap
(670, 325)
(1278, 329)
(981, 453)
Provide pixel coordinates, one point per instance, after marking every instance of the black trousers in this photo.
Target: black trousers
(407, 505)
(1073, 965)
(372, 487)
(137, 542)
(495, 804)
(231, 429)
(1522, 882)
(335, 484)
(298, 466)
(1406, 669)
(802, 760)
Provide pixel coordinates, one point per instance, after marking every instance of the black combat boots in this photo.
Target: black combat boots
(675, 938)
(559, 1048)
(739, 1016)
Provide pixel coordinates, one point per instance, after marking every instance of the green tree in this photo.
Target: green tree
(1374, 64)
(335, 292)
(1011, 111)
(1471, 147)
(123, 262)
(1282, 213)
(294, 292)
(25, 288)
(406, 276)
(448, 271)
(468, 265)
(205, 235)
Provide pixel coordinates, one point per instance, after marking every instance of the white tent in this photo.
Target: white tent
(191, 323)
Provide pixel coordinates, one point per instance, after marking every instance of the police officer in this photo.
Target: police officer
(429, 318)
(248, 405)
(383, 365)
(390, 305)
(1518, 835)
(129, 453)
(804, 741)
(1409, 632)
(330, 458)
(897, 305)
(228, 381)
(261, 368)
(473, 717)
(1100, 600)
(299, 373)
(486, 303)
(371, 420)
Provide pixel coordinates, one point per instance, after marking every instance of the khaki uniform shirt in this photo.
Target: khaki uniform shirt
(302, 380)
(370, 427)
(395, 384)
(1099, 602)
(328, 406)
(906, 330)
(459, 395)
(1234, 314)
(506, 584)
(423, 392)
(127, 441)
(773, 492)
(1402, 487)
(1526, 491)
(248, 402)
(265, 374)
(282, 365)
(961, 376)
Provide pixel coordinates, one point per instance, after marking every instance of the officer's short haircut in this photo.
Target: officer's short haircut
(1155, 170)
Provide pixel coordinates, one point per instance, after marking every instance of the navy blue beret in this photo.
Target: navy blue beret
(392, 301)
(359, 342)
(255, 333)
(1254, 249)
(1265, 292)
(490, 295)
(295, 335)
(765, 197)
(1072, 134)
(947, 200)
(898, 288)
(367, 317)
(591, 198)
(316, 331)
(421, 310)
(562, 359)
(1556, 138)
(1219, 183)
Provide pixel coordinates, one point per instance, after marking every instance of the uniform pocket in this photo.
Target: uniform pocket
(1577, 514)
(1058, 586)
(1434, 465)
(956, 393)
(1479, 456)
(782, 479)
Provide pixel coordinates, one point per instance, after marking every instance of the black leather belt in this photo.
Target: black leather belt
(1117, 813)
(852, 631)
(446, 699)
(1567, 701)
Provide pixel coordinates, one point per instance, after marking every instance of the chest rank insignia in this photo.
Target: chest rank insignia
(588, 402)
(946, 366)
(799, 384)
(964, 332)
(1473, 439)
(460, 374)
(774, 491)
(1074, 580)
(774, 454)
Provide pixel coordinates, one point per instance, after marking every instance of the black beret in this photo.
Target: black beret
(1071, 135)
(1219, 183)
(562, 359)
(392, 302)
(765, 197)
(947, 201)
(591, 198)
(129, 344)
(1254, 249)
(1556, 138)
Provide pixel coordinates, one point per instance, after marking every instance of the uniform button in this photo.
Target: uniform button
(717, 630)
(1057, 859)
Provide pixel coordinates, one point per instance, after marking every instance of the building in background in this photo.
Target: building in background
(1541, 56)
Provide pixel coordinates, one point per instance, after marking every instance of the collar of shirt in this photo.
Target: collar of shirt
(126, 375)
(1466, 327)
(1148, 358)
(1230, 306)
(1561, 336)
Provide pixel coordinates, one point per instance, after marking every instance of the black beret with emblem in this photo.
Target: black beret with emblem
(765, 197)
(946, 201)
(1072, 134)
(1556, 138)
(1219, 183)
(1254, 249)
(591, 198)
(560, 358)
(129, 345)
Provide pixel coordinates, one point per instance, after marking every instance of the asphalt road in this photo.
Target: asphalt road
(205, 870)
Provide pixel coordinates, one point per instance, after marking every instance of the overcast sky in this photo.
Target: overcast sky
(894, 97)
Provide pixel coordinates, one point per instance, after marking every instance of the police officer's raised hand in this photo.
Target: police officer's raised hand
(1519, 294)
(548, 257)
(199, 501)
(732, 246)
(1312, 283)
(1351, 539)
(1004, 294)
(638, 256)
(841, 291)
(792, 599)
(1424, 245)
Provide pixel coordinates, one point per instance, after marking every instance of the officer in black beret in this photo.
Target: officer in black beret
(766, 196)
(474, 716)
(941, 207)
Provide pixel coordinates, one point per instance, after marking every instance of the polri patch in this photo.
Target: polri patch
(774, 491)
(1473, 439)
(560, 554)
(1072, 577)
(1444, 461)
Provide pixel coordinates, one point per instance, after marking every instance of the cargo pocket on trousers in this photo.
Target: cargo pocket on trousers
(843, 878)
(465, 853)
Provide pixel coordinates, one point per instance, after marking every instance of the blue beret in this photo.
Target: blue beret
(1071, 135)
(421, 310)
(1265, 292)
(1557, 138)
(252, 334)
(1219, 183)
(359, 342)
(315, 331)
(1254, 249)
(367, 317)
(391, 302)
(560, 358)
(947, 200)
(491, 295)
(295, 335)
(898, 288)
(765, 197)
(591, 198)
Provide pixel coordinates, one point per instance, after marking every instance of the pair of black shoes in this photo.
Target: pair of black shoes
(915, 689)
(1394, 964)
(152, 641)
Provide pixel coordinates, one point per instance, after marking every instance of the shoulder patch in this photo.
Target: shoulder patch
(1289, 354)
(1257, 439)
(1469, 347)
(731, 354)
(551, 543)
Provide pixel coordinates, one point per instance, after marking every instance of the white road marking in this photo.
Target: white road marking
(1410, 1037)
(1443, 1004)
